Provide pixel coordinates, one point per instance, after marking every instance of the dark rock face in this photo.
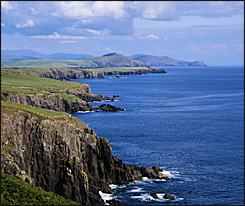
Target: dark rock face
(154, 195)
(108, 99)
(135, 72)
(63, 156)
(169, 197)
(67, 74)
(51, 102)
(116, 96)
(110, 108)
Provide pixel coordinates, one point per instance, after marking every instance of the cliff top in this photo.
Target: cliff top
(22, 82)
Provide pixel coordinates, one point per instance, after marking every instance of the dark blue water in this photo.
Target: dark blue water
(188, 121)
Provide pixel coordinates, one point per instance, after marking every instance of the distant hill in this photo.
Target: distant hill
(108, 60)
(115, 60)
(165, 61)
(27, 54)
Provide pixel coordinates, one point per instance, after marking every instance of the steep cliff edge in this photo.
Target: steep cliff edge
(67, 74)
(63, 155)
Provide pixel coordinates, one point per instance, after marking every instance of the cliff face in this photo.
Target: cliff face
(51, 102)
(66, 74)
(69, 74)
(63, 156)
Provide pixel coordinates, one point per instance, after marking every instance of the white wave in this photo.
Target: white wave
(137, 189)
(148, 198)
(106, 196)
(171, 174)
(84, 111)
(114, 187)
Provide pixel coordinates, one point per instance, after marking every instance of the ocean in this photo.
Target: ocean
(188, 121)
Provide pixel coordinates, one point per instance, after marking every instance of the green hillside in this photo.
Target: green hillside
(17, 192)
(108, 60)
(22, 82)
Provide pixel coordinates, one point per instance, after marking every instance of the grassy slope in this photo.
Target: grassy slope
(20, 81)
(17, 192)
(95, 62)
(11, 107)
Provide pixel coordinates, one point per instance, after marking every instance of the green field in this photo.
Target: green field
(111, 60)
(7, 106)
(23, 82)
(18, 192)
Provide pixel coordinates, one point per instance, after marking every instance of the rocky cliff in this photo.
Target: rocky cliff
(67, 74)
(51, 102)
(63, 156)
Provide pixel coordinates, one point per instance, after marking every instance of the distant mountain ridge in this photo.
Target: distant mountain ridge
(27, 54)
(165, 61)
(107, 60)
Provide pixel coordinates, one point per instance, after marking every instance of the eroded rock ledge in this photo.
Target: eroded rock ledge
(63, 156)
(67, 74)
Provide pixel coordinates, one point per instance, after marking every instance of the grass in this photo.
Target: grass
(23, 82)
(17, 192)
(40, 112)
(16, 78)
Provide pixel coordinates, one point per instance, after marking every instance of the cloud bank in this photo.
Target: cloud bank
(93, 18)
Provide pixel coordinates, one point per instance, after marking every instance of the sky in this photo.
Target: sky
(211, 31)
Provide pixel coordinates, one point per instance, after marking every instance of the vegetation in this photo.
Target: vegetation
(17, 192)
(23, 82)
(109, 60)
(7, 106)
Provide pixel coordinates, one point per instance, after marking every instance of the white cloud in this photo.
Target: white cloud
(109, 50)
(109, 8)
(29, 23)
(33, 11)
(58, 36)
(159, 11)
(194, 48)
(165, 38)
(96, 32)
(86, 9)
(68, 41)
(2, 24)
(220, 47)
(5, 5)
(152, 36)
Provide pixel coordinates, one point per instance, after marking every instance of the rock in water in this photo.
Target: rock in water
(110, 108)
(169, 197)
(154, 195)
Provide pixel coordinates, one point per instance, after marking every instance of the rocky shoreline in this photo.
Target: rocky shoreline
(63, 155)
(67, 74)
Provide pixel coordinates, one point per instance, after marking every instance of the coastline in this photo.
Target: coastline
(86, 164)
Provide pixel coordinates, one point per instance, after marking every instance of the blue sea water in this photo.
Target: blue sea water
(188, 121)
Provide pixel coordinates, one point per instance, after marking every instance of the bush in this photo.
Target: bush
(17, 192)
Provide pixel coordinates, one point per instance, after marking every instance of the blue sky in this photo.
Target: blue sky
(212, 31)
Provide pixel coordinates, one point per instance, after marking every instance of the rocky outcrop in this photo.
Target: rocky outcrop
(109, 108)
(154, 195)
(67, 74)
(135, 72)
(63, 156)
(169, 197)
(51, 102)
